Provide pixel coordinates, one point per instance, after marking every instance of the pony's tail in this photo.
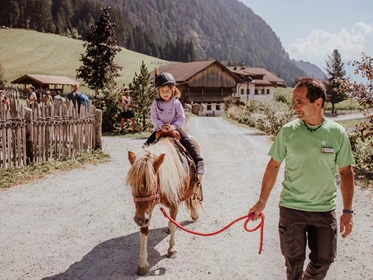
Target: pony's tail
(194, 203)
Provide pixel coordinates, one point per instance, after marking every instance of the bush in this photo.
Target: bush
(268, 116)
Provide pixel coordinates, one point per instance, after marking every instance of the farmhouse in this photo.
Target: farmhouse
(258, 83)
(205, 83)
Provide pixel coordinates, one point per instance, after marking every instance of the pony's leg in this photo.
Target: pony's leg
(143, 265)
(171, 253)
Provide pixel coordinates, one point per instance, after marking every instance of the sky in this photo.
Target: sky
(310, 30)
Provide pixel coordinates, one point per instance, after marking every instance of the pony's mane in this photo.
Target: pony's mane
(172, 174)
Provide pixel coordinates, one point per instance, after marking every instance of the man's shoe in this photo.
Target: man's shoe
(201, 168)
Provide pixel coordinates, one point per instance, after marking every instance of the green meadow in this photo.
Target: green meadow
(30, 52)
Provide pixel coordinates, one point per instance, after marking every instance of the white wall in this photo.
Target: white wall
(242, 87)
(213, 109)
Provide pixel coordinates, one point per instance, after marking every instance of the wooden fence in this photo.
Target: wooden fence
(46, 131)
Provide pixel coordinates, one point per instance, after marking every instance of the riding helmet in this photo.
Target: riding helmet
(163, 79)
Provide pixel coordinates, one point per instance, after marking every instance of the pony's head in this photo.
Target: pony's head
(157, 174)
(143, 179)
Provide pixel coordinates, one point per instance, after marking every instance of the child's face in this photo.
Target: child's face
(165, 93)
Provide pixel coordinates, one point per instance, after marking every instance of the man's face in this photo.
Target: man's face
(302, 105)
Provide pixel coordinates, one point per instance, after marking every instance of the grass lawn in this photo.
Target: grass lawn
(30, 52)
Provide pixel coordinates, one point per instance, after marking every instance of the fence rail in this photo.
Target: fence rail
(46, 131)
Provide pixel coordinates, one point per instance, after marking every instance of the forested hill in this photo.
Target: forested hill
(311, 69)
(226, 30)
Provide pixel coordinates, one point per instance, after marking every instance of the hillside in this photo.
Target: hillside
(310, 69)
(30, 52)
(225, 30)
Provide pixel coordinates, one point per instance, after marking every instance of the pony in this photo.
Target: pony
(160, 175)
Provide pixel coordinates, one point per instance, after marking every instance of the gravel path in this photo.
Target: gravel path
(79, 224)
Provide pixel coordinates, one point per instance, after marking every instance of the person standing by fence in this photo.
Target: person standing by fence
(74, 97)
(32, 98)
(126, 110)
(3, 99)
(47, 97)
(59, 98)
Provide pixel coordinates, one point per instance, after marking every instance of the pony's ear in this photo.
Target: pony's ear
(131, 157)
(158, 161)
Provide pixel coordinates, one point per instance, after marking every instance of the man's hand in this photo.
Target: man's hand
(345, 224)
(257, 209)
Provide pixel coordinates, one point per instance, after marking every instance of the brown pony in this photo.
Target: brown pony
(159, 176)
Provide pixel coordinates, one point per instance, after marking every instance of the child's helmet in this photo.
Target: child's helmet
(163, 79)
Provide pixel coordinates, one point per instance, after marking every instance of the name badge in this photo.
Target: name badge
(326, 150)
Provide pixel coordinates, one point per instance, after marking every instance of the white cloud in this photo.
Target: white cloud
(316, 47)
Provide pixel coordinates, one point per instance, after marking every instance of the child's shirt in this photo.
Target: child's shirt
(163, 112)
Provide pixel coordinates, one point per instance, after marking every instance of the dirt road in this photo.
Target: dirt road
(79, 224)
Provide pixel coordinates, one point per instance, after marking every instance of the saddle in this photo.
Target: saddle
(173, 134)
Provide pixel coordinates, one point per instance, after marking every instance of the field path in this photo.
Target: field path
(79, 224)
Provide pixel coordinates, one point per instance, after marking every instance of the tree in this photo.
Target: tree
(362, 138)
(335, 70)
(143, 95)
(98, 69)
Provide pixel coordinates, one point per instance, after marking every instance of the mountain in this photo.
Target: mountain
(225, 30)
(310, 69)
(174, 30)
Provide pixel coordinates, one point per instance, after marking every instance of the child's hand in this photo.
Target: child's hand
(171, 128)
(165, 127)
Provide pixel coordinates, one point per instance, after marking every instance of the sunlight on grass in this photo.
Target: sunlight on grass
(30, 52)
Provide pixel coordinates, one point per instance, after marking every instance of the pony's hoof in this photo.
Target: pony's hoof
(142, 270)
(171, 254)
(195, 217)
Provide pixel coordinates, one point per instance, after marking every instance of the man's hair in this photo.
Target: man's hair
(315, 89)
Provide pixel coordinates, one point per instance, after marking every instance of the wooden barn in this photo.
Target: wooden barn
(205, 83)
(43, 82)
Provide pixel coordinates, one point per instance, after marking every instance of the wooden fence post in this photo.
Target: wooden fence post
(98, 130)
(29, 136)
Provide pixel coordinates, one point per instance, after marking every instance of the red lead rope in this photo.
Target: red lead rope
(248, 218)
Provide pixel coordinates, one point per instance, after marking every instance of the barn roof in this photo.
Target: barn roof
(252, 71)
(182, 72)
(45, 80)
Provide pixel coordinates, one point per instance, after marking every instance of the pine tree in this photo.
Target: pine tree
(99, 69)
(143, 95)
(335, 70)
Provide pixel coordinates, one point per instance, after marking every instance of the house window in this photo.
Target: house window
(217, 107)
(242, 91)
(208, 107)
(256, 92)
(267, 90)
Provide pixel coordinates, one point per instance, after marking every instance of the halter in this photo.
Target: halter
(155, 196)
